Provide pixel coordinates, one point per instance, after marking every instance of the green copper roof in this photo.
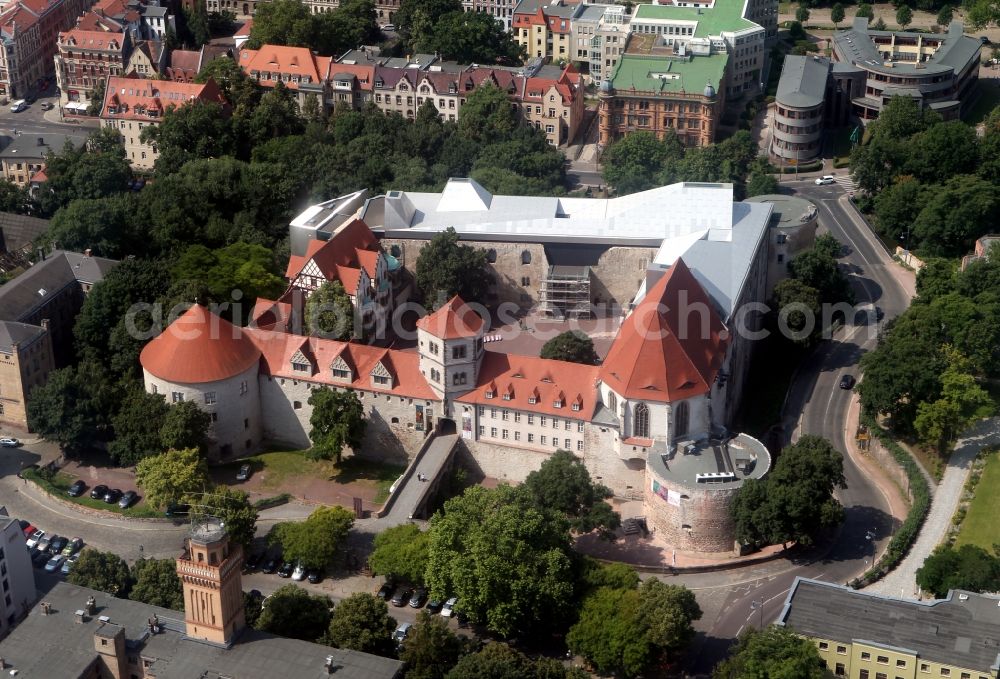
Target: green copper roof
(640, 71)
(727, 15)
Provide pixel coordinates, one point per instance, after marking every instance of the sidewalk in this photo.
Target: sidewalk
(902, 581)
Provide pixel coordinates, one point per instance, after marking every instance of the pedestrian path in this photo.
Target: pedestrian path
(902, 582)
(845, 181)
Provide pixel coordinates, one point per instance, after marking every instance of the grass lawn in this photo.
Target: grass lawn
(60, 483)
(981, 526)
(989, 98)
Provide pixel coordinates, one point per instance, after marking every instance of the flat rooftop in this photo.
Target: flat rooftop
(713, 464)
(661, 73)
(724, 16)
(789, 211)
(954, 49)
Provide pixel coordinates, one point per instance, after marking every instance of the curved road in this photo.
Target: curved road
(816, 405)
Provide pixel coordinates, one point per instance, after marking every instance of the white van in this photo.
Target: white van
(18, 106)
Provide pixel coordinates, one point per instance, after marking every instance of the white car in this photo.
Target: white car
(18, 106)
(9, 443)
(299, 574)
(34, 538)
(825, 179)
(448, 609)
(399, 636)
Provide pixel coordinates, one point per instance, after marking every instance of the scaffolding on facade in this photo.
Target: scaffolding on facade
(565, 292)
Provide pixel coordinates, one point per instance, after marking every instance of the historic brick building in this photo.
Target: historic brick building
(85, 61)
(29, 31)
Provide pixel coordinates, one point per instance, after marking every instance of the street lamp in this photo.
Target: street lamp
(870, 537)
(758, 605)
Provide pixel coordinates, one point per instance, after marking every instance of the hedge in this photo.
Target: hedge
(907, 534)
(268, 502)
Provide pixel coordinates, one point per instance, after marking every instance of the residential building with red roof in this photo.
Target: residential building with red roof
(84, 61)
(148, 59)
(297, 68)
(29, 31)
(544, 29)
(132, 104)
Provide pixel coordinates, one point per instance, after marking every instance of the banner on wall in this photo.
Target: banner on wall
(466, 424)
(419, 418)
(672, 497)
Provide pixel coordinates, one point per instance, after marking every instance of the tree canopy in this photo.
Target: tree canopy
(401, 552)
(431, 648)
(361, 622)
(157, 584)
(315, 542)
(295, 613)
(967, 567)
(102, 571)
(573, 346)
(338, 421)
(329, 312)
(172, 475)
(446, 268)
(563, 484)
(769, 653)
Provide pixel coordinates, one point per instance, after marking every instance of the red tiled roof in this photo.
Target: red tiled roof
(92, 21)
(40, 177)
(188, 60)
(342, 257)
(277, 349)
(659, 356)
(364, 74)
(92, 40)
(18, 16)
(199, 347)
(111, 7)
(245, 28)
(453, 320)
(546, 381)
(270, 315)
(136, 99)
(277, 59)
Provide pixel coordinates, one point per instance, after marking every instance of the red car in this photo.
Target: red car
(28, 530)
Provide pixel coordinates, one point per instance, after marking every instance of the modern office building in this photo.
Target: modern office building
(17, 581)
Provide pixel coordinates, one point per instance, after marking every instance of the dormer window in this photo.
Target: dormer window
(341, 374)
(576, 405)
(300, 367)
(557, 404)
(490, 393)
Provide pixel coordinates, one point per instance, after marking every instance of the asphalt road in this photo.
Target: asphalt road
(816, 405)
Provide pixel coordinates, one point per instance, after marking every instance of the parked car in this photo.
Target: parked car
(98, 492)
(824, 180)
(55, 563)
(272, 564)
(418, 598)
(77, 489)
(9, 443)
(389, 28)
(47, 106)
(33, 539)
(58, 544)
(27, 529)
(112, 495)
(252, 562)
(434, 606)
(18, 106)
(299, 573)
(385, 591)
(43, 544)
(314, 575)
(72, 547)
(177, 509)
(128, 499)
(286, 570)
(448, 609)
(401, 596)
(39, 559)
(399, 636)
(244, 473)
(879, 314)
(68, 564)
(847, 382)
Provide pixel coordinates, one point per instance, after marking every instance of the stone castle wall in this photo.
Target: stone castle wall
(699, 523)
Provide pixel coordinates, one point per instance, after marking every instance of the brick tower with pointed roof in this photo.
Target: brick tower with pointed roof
(450, 342)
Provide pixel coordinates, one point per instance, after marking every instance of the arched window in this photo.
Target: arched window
(491, 255)
(640, 421)
(525, 257)
(612, 402)
(681, 419)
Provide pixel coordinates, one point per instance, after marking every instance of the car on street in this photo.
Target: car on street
(252, 562)
(385, 591)
(98, 492)
(33, 539)
(18, 106)
(55, 563)
(314, 575)
(824, 180)
(299, 573)
(847, 382)
(9, 443)
(47, 106)
(176, 509)
(112, 495)
(401, 596)
(128, 499)
(72, 547)
(984, 39)
(271, 565)
(399, 636)
(448, 609)
(68, 564)
(434, 606)
(77, 489)
(244, 473)
(58, 544)
(879, 314)
(286, 570)
(388, 28)
(418, 598)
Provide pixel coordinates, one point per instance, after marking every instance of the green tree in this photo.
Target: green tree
(980, 14)
(837, 14)
(96, 103)
(431, 648)
(802, 14)
(277, 113)
(196, 24)
(954, 216)
(234, 509)
(936, 278)
(446, 268)
(902, 118)
(252, 608)
(416, 20)
(170, 476)
(819, 271)
(517, 583)
(573, 346)
(962, 402)
(668, 611)
(945, 16)
(952, 148)
(563, 484)
(14, 198)
(401, 552)
(596, 574)
(611, 633)
(73, 407)
(138, 425)
(474, 37)
(338, 420)
(157, 584)
(315, 542)
(237, 88)
(329, 312)
(865, 10)
(633, 162)
(102, 571)
(761, 184)
(494, 661)
(800, 305)
(105, 225)
(217, 274)
(897, 207)
(185, 426)
(361, 622)
(771, 652)
(879, 25)
(904, 16)
(295, 613)
(199, 129)
(968, 567)
(487, 116)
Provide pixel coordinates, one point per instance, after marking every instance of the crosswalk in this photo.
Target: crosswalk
(845, 181)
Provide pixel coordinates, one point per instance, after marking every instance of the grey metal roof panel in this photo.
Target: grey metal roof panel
(19, 297)
(803, 81)
(35, 146)
(12, 332)
(962, 630)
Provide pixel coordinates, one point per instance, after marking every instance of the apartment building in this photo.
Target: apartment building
(132, 104)
(544, 29)
(84, 61)
(861, 635)
(501, 10)
(24, 155)
(297, 68)
(148, 59)
(599, 37)
(29, 31)
(17, 582)
(656, 88)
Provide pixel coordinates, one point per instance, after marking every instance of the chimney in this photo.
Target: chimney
(328, 665)
(90, 606)
(46, 607)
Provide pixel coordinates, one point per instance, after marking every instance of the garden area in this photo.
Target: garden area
(58, 484)
(979, 526)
